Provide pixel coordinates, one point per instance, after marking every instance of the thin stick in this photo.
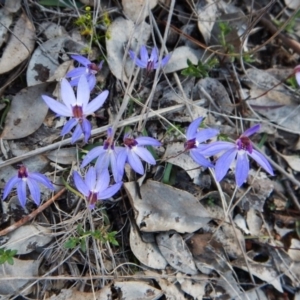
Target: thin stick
(95, 132)
(32, 215)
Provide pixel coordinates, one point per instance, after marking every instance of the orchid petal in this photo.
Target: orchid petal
(90, 178)
(216, 147)
(103, 181)
(103, 161)
(145, 141)
(132, 55)
(58, 107)
(297, 76)
(74, 81)
(224, 162)
(140, 63)
(192, 129)
(206, 134)
(121, 160)
(109, 132)
(116, 169)
(109, 192)
(144, 154)
(144, 54)
(86, 128)
(154, 55)
(77, 133)
(135, 162)
(68, 126)
(96, 103)
(165, 60)
(67, 93)
(242, 168)
(21, 191)
(97, 151)
(200, 159)
(77, 72)
(83, 92)
(251, 130)
(34, 191)
(10, 184)
(80, 184)
(262, 161)
(81, 59)
(91, 78)
(41, 179)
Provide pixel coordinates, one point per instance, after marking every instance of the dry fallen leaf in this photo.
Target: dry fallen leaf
(65, 156)
(20, 269)
(27, 112)
(207, 14)
(44, 61)
(179, 57)
(27, 238)
(6, 20)
(20, 45)
(163, 207)
(183, 160)
(137, 10)
(119, 33)
(176, 252)
(146, 253)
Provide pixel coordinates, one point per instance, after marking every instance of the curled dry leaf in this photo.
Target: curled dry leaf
(207, 14)
(131, 290)
(19, 46)
(176, 252)
(260, 270)
(20, 269)
(170, 288)
(278, 105)
(294, 251)
(292, 160)
(126, 290)
(12, 6)
(292, 4)
(162, 207)
(195, 289)
(118, 34)
(6, 20)
(27, 238)
(137, 10)
(146, 253)
(27, 112)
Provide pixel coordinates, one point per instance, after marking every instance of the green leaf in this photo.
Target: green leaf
(10, 261)
(71, 243)
(167, 173)
(83, 245)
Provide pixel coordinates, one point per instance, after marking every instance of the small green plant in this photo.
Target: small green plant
(87, 25)
(225, 29)
(292, 82)
(7, 256)
(210, 201)
(223, 137)
(290, 27)
(101, 235)
(201, 70)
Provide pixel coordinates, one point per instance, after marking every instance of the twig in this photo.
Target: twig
(287, 42)
(32, 215)
(95, 132)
